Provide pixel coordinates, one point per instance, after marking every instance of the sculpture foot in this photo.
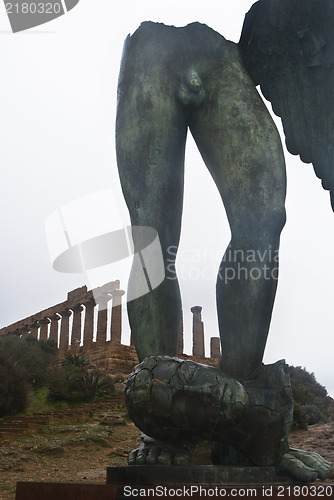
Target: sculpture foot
(154, 452)
(304, 466)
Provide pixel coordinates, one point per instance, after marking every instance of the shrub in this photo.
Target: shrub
(313, 414)
(311, 397)
(26, 363)
(75, 383)
(13, 386)
(299, 417)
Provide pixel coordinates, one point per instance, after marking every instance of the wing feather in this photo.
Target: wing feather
(288, 49)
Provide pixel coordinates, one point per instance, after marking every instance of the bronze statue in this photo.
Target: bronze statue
(173, 79)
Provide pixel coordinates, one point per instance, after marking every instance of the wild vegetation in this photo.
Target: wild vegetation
(312, 403)
(30, 371)
(31, 377)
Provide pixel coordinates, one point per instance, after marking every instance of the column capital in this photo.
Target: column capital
(66, 313)
(103, 298)
(25, 329)
(44, 321)
(116, 293)
(77, 308)
(55, 317)
(34, 326)
(196, 309)
(90, 302)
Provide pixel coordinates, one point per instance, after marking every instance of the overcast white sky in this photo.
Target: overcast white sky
(57, 99)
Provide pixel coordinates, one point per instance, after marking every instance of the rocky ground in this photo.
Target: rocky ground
(81, 452)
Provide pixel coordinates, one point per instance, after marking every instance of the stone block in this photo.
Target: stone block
(65, 491)
(193, 475)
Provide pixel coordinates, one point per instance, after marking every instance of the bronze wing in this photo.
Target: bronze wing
(288, 49)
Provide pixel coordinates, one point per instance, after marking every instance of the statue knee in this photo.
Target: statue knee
(263, 227)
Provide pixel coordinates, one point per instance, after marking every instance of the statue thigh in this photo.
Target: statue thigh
(242, 149)
(150, 140)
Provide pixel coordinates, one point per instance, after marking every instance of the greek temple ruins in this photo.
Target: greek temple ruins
(89, 323)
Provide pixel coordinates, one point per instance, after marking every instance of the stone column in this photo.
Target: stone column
(198, 332)
(64, 329)
(24, 331)
(54, 327)
(116, 317)
(44, 328)
(215, 347)
(102, 319)
(131, 339)
(180, 344)
(76, 327)
(34, 329)
(89, 324)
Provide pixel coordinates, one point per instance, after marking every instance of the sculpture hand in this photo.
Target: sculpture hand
(152, 452)
(304, 466)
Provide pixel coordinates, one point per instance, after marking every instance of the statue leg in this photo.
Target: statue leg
(150, 140)
(242, 149)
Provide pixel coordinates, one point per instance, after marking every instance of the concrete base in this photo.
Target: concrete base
(193, 475)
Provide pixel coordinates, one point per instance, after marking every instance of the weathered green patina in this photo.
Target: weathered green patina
(175, 79)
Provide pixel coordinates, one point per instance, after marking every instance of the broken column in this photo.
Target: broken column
(180, 344)
(215, 347)
(198, 332)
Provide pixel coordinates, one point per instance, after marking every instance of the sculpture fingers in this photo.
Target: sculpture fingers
(152, 456)
(182, 458)
(313, 460)
(132, 457)
(141, 456)
(165, 457)
(296, 469)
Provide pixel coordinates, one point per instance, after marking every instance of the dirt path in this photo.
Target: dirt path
(65, 453)
(81, 452)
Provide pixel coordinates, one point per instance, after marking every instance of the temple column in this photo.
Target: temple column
(76, 327)
(116, 318)
(44, 328)
(180, 344)
(24, 331)
(102, 319)
(34, 329)
(215, 347)
(54, 327)
(89, 324)
(64, 329)
(198, 332)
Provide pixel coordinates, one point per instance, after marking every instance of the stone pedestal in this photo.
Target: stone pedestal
(193, 475)
(65, 491)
